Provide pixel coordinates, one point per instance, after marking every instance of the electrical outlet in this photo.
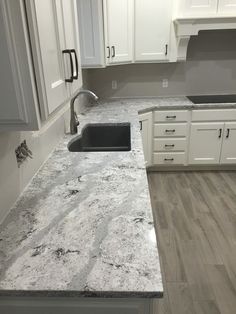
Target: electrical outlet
(165, 83)
(114, 84)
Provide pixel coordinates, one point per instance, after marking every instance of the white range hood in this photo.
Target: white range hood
(185, 27)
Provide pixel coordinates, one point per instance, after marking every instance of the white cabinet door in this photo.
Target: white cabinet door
(53, 25)
(118, 20)
(227, 7)
(205, 143)
(90, 14)
(152, 29)
(18, 104)
(228, 153)
(49, 42)
(71, 31)
(145, 120)
(198, 7)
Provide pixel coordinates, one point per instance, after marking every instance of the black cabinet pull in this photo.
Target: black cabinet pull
(166, 52)
(109, 52)
(169, 131)
(169, 145)
(220, 133)
(113, 51)
(228, 131)
(141, 125)
(169, 159)
(69, 80)
(75, 77)
(170, 117)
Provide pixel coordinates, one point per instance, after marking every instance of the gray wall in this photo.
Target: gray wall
(13, 180)
(210, 69)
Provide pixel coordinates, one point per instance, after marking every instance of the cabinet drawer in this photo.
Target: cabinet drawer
(169, 158)
(214, 115)
(169, 144)
(171, 116)
(170, 129)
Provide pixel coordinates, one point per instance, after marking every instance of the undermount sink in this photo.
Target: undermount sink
(102, 137)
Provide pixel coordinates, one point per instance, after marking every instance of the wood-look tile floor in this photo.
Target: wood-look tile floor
(195, 214)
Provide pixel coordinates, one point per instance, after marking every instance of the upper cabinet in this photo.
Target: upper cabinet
(90, 15)
(118, 23)
(227, 7)
(206, 7)
(134, 31)
(55, 46)
(198, 7)
(18, 104)
(152, 29)
(40, 60)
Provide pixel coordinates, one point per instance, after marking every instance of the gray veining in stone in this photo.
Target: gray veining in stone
(84, 225)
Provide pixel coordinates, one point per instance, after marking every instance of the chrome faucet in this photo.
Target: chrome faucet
(73, 116)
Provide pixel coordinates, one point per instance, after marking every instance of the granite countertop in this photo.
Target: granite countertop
(84, 225)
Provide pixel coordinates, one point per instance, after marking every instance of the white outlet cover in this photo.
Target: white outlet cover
(114, 84)
(165, 83)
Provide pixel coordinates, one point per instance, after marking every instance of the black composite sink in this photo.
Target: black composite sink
(102, 137)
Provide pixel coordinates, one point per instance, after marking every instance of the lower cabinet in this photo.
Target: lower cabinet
(228, 152)
(205, 143)
(145, 121)
(176, 158)
(213, 143)
(189, 137)
(170, 131)
(75, 306)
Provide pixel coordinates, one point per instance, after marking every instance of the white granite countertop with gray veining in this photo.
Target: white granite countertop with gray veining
(84, 225)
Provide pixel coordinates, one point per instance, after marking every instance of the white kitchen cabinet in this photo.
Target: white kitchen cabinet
(152, 23)
(118, 23)
(55, 46)
(19, 104)
(90, 14)
(75, 305)
(227, 7)
(205, 143)
(145, 120)
(228, 152)
(34, 35)
(197, 7)
(71, 30)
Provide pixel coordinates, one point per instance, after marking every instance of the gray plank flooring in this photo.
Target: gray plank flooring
(195, 215)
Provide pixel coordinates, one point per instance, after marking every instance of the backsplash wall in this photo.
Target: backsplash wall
(13, 180)
(210, 69)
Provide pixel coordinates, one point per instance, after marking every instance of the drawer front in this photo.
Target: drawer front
(169, 158)
(170, 129)
(214, 115)
(169, 144)
(171, 116)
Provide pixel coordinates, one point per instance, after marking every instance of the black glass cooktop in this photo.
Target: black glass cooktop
(204, 99)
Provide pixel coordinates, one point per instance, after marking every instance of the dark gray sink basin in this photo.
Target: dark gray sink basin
(102, 137)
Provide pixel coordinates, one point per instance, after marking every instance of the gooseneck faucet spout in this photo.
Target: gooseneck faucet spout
(73, 116)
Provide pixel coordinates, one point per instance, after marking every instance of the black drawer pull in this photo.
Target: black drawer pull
(141, 125)
(220, 133)
(169, 131)
(113, 51)
(169, 159)
(166, 52)
(109, 52)
(170, 145)
(228, 131)
(170, 117)
(71, 79)
(76, 76)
